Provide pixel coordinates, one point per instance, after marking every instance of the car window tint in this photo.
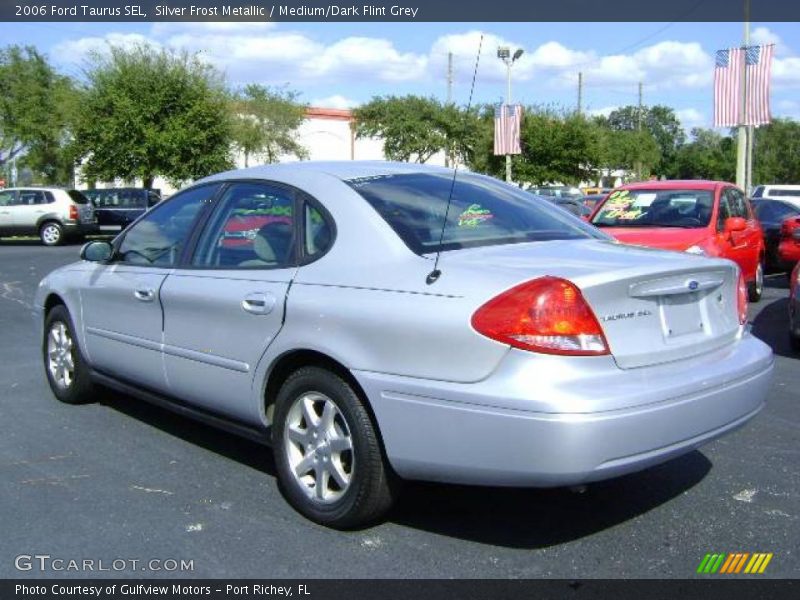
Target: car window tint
(482, 211)
(785, 193)
(6, 198)
(737, 204)
(77, 197)
(158, 238)
(253, 228)
(317, 234)
(32, 197)
(725, 210)
(758, 192)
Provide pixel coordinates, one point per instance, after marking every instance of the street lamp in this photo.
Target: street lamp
(504, 54)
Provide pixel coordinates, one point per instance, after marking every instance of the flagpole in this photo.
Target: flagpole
(743, 132)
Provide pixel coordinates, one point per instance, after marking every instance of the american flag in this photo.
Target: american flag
(507, 122)
(759, 66)
(728, 86)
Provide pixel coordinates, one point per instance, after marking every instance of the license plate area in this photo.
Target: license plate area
(681, 316)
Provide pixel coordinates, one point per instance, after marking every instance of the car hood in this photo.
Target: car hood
(666, 238)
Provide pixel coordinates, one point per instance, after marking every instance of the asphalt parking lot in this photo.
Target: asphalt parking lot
(123, 480)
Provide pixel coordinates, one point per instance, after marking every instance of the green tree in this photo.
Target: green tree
(663, 126)
(149, 112)
(776, 152)
(629, 150)
(556, 147)
(413, 127)
(709, 155)
(36, 109)
(265, 123)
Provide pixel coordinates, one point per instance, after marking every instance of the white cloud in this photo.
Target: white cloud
(77, 51)
(603, 111)
(335, 101)
(691, 118)
(786, 72)
(763, 35)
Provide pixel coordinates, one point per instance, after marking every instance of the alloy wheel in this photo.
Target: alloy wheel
(319, 448)
(60, 359)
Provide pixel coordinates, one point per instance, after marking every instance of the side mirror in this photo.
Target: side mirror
(735, 224)
(97, 251)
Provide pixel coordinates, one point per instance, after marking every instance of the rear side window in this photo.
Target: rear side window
(254, 228)
(77, 197)
(785, 193)
(482, 212)
(7, 198)
(32, 197)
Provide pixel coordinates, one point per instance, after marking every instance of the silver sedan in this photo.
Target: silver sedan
(375, 322)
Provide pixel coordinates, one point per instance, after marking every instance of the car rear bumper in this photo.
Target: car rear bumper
(473, 433)
(78, 228)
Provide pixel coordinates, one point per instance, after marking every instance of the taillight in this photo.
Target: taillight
(548, 315)
(790, 228)
(741, 299)
(73, 212)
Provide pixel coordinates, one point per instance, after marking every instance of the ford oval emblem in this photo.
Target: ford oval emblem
(693, 285)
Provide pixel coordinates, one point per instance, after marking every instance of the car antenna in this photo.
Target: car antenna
(436, 273)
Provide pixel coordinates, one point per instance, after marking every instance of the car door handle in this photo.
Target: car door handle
(145, 295)
(258, 303)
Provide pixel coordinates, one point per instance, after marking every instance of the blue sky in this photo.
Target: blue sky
(343, 64)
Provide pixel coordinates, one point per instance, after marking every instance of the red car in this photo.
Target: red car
(711, 218)
(789, 245)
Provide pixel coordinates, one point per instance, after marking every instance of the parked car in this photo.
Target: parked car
(771, 214)
(595, 191)
(399, 325)
(571, 205)
(116, 208)
(789, 244)
(557, 191)
(591, 201)
(51, 213)
(794, 308)
(788, 193)
(709, 218)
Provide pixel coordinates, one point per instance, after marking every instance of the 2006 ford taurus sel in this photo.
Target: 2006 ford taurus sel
(303, 304)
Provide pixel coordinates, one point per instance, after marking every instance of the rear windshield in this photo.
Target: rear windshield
(77, 197)
(482, 212)
(656, 208)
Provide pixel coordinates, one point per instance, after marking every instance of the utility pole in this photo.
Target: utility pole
(449, 99)
(639, 128)
(580, 92)
(504, 54)
(743, 131)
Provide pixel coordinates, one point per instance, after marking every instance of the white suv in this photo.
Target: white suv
(51, 213)
(787, 193)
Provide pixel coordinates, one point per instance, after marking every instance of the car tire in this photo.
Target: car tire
(755, 288)
(51, 233)
(66, 370)
(328, 454)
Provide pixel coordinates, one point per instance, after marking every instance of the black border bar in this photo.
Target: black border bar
(404, 10)
(711, 588)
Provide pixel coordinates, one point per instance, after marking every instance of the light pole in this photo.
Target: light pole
(504, 54)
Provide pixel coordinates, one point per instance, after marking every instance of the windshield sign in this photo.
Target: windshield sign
(656, 208)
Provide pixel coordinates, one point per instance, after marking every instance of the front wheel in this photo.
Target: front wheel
(67, 373)
(756, 287)
(328, 454)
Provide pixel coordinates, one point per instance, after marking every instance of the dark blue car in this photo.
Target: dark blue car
(116, 208)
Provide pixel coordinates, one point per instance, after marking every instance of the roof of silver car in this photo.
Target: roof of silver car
(343, 169)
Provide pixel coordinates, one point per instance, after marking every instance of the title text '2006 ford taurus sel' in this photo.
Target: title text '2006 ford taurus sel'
(302, 304)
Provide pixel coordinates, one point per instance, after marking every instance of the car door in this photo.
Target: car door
(122, 314)
(32, 205)
(8, 200)
(224, 308)
(742, 247)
